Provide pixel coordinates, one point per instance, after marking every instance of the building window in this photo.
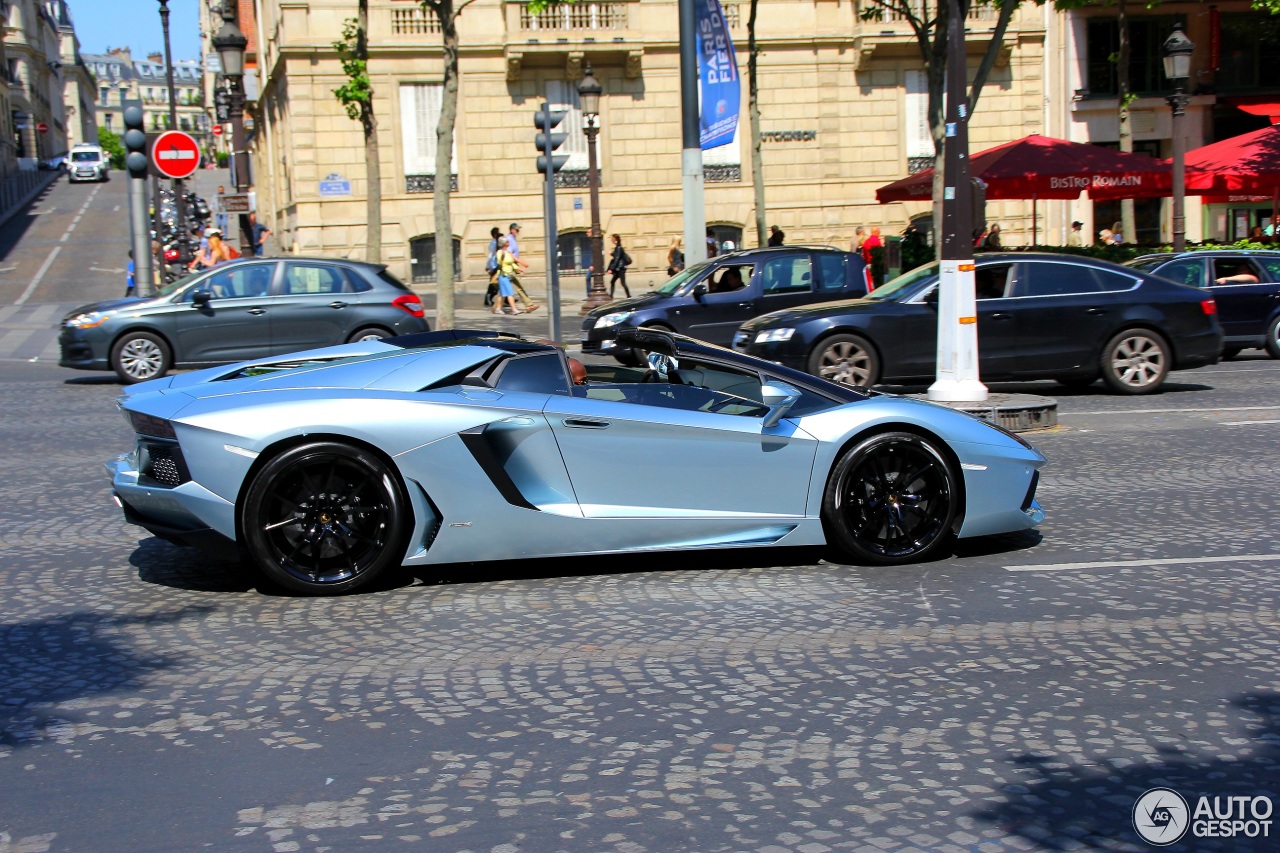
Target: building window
(419, 115)
(728, 238)
(1146, 62)
(422, 254)
(574, 251)
(915, 114)
(1249, 45)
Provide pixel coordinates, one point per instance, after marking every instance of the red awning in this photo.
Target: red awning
(1258, 105)
(1248, 164)
(1044, 167)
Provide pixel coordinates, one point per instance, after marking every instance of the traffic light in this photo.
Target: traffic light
(135, 143)
(545, 120)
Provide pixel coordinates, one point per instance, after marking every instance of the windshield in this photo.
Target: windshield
(86, 156)
(1146, 265)
(170, 289)
(683, 277)
(905, 284)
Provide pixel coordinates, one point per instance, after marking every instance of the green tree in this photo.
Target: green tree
(447, 13)
(112, 145)
(357, 96)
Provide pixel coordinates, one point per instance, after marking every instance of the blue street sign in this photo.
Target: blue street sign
(335, 185)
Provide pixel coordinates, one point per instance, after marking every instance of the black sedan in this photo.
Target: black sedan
(1039, 317)
(240, 310)
(1246, 286)
(710, 300)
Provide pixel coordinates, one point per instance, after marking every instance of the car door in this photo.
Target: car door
(732, 298)
(1064, 311)
(1244, 307)
(315, 306)
(657, 450)
(786, 281)
(234, 324)
(1189, 271)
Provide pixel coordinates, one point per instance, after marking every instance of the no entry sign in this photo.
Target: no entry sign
(216, 130)
(175, 154)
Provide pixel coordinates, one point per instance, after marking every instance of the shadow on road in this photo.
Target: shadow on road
(1075, 807)
(49, 662)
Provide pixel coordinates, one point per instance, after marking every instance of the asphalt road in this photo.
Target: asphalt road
(1019, 694)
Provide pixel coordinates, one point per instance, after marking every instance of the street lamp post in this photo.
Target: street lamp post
(179, 193)
(230, 44)
(1177, 51)
(589, 91)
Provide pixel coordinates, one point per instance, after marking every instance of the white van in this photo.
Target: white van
(87, 162)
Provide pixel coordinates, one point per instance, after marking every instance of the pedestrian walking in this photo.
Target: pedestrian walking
(871, 242)
(1117, 234)
(260, 234)
(508, 265)
(776, 235)
(1076, 237)
(713, 246)
(513, 246)
(859, 237)
(618, 264)
(131, 285)
(675, 256)
(222, 218)
(491, 267)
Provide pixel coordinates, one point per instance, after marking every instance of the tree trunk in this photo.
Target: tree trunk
(373, 164)
(444, 157)
(757, 159)
(1127, 224)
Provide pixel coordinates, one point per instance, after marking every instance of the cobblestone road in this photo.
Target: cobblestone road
(1016, 695)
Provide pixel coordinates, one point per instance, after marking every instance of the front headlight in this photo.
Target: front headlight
(89, 320)
(774, 336)
(612, 319)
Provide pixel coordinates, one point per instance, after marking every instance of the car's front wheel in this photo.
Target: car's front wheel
(848, 359)
(139, 356)
(1135, 362)
(891, 499)
(325, 518)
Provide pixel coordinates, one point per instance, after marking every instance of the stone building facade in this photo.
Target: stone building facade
(842, 101)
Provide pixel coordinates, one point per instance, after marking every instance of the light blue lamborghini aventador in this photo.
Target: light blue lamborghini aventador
(328, 467)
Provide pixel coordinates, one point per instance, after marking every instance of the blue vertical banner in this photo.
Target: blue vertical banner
(718, 76)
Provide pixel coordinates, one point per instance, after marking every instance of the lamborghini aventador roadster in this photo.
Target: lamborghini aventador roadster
(331, 466)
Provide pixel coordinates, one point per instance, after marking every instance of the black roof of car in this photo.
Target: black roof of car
(765, 250)
(1226, 250)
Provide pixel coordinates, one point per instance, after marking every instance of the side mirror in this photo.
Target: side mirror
(699, 290)
(662, 365)
(779, 397)
(200, 297)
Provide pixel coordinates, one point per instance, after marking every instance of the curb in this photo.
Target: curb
(1014, 412)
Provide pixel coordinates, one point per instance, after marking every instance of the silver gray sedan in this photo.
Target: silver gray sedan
(240, 310)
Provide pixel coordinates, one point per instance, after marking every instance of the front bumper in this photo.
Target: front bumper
(78, 351)
(1199, 350)
(182, 514)
(600, 341)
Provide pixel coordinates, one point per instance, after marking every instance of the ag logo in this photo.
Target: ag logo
(1161, 816)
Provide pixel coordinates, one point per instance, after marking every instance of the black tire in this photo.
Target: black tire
(1273, 337)
(1229, 353)
(139, 356)
(371, 333)
(1135, 361)
(847, 359)
(891, 499)
(325, 518)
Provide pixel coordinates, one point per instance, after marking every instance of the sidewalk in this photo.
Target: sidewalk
(20, 189)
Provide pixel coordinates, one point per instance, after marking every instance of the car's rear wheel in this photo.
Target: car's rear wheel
(848, 359)
(373, 333)
(139, 356)
(1273, 338)
(1135, 362)
(891, 499)
(325, 518)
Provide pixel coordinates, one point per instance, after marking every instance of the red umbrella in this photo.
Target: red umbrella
(1042, 167)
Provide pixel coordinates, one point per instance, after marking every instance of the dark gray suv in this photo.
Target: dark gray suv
(240, 310)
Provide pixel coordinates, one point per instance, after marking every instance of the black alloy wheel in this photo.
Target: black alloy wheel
(325, 518)
(139, 356)
(1135, 362)
(892, 499)
(847, 359)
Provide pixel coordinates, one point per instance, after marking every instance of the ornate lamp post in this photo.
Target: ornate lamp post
(230, 44)
(1177, 51)
(589, 91)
